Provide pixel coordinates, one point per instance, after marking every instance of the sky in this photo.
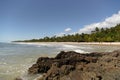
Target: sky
(28, 19)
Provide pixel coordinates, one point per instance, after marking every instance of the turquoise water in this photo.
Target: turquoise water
(15, 59)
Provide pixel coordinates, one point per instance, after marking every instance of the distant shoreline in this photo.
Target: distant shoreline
(74, 43)
(95, 43)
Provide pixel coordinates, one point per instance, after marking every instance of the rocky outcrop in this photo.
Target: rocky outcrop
(75, 66)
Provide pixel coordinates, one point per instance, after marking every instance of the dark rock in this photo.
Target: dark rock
(70, 54)
(66, 69)
(53, 72)
(99, 77)
(75, 66)
(43, 64)
(34, 69)
(18, 78)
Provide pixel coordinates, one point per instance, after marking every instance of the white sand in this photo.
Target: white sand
(73, 43)
(94, 43)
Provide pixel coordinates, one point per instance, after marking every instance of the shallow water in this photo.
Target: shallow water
(15, 59)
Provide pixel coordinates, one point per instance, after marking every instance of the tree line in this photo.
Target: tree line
(98, 35)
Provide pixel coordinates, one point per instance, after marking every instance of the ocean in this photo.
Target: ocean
(16, 58)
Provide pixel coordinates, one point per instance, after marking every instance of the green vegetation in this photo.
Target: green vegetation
(99, 35)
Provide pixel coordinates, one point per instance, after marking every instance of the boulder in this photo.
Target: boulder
(43, 64)
(75, 66)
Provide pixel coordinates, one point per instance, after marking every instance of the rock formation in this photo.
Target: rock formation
(75, 66)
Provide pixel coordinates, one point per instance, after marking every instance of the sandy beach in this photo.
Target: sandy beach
(94, 43)
(74, 43)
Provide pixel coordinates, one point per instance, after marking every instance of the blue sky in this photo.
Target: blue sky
(27, 19)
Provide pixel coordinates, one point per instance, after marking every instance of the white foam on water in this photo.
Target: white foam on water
(75, 48)
(67, 47)
(9, 71)
(80, 51)
(70, 46)
(37, 44)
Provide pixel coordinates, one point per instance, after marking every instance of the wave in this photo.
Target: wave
(80, 51)
(70, 46)
(54, 45)
(34, 44)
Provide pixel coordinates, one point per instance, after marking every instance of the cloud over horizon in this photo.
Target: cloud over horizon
(68, 29)
(107, 23)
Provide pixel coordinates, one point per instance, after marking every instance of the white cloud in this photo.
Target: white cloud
(68, 29)
(107, 23)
